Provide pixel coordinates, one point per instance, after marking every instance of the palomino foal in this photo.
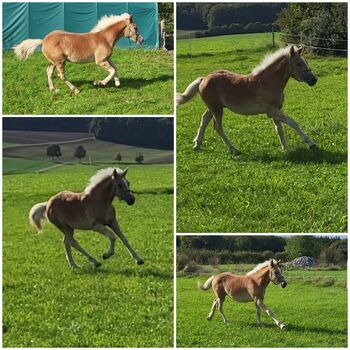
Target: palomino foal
(250, 287)
(96, 46)
(91, 209)
(259, 92)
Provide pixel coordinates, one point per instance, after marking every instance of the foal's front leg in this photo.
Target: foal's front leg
(106, 232)
(115, 227)
(279, 323)
(279, 116)
(110, 68)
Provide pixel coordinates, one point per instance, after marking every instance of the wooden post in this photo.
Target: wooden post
(301, 38)
(273, 36)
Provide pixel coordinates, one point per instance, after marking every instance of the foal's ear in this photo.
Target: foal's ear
(300, 50)
(115, 174)
(125, 171)
(291, 50)
(271, 263)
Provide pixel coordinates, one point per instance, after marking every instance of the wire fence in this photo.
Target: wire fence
(307, 40)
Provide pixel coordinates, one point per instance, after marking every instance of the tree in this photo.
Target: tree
(80, 153)
(303, 245)
(53, 151)
(336, 253)
(139, 158)
(118, 157)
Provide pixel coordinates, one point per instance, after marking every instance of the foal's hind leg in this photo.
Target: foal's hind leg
(106, 65)
(60, 69)
(206, 117)
(67, 244)
(218, 127)
(50, 70)
(220, 302)
(260, 304)
(212, 311)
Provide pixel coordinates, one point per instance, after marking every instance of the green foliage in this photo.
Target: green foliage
(264, 189)
(146, 86)
(80, 152)
(139, 158)
(166, 12)
(53, 151)
(321, 24)
(315, 314)
(303, 245)
(46, 304)
(118, 157)
(336, 253)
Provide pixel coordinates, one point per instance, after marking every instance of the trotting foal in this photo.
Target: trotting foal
(250, 287)
(259, 92)
(91, 209)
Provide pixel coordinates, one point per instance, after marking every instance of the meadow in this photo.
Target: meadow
(315, 314)
(121, 304)
(146, 85)
(263, 189)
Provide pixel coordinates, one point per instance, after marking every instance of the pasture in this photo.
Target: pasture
(263, 189)
(146, 85)
(314, 312)
(121, 304)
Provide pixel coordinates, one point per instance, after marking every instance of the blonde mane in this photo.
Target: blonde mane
(107, 21)
(271, 59)
(260, 266)
(99, 177)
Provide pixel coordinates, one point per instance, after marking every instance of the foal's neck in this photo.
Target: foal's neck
(114, 32)
(262, 277)
(277, 73)
(103, 192)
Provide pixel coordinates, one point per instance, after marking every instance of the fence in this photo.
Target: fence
(307, 40)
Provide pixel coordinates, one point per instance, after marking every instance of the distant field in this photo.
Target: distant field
(264, 189)
(146, 86)
(28, 155)
(315, 316)
(46, 304)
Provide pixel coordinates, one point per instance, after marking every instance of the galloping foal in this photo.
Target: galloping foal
(259, 92)
(91, 209)
(250, 287)
(96, 46)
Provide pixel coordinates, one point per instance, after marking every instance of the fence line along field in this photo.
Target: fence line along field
(264, 189)
(146, 86)
(121, 304)
(314, 311)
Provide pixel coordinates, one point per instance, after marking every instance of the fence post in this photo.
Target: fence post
(273, 36)
(301, 38)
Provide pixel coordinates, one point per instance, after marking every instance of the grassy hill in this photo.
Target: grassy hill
(25, 151)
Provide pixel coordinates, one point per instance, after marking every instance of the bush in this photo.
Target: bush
(181, 261)
(191, 267)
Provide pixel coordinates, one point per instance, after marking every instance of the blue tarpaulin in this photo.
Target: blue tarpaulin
(35, 20)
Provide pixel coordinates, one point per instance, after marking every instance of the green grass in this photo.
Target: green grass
(315, 317)
(121, 304)
(264, 189)
(146, 86)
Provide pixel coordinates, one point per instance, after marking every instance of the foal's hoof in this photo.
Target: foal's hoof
(196, 148)
(76, 91)
(140, 262)
(106, 256)
(97, 264)
(117, 83)
(283, 326)
(98, 83)
(313, 146)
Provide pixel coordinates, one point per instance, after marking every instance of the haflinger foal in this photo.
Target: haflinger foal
(250, 287)
(91, 209)
(96, 46)
(255, 93)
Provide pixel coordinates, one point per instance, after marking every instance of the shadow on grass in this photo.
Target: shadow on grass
(139, 271)
(304, 156)
(134, 83)
(316, 329)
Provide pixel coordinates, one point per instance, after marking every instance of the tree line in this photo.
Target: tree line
(255, 249)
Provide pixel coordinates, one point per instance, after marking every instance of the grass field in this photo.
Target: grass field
(146, 86)
(315, 316)
(264, 189)
(121, 304)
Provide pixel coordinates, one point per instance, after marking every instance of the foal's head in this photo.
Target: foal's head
(275, 274)
(298, 68)
(132, 32)
(121, 187)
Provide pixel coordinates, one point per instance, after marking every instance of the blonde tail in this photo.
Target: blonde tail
(37, 216)
(26, 48)
(206, 285)
(190, 92)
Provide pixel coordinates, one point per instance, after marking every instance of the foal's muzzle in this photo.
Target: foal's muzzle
(310, 79)
(283, 284)
(130, 199)
(139, 39)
